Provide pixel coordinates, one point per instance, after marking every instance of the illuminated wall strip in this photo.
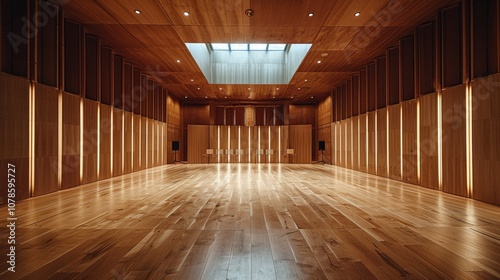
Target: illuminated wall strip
(146, 158)
(249, 146)
(239, 143)
(366, 142)
(111, 140)
(376, 142)
(468, 117)
(401, 139)
(31, 141)
(279, 144)
(98, 139)
(388, 135)
(228, 143)
(418, 140)
(269, 141)
(440, 138)
(258, 143)
(218, 144)
(81, 140)
(139, 127)
(345, 141)
(59, 137)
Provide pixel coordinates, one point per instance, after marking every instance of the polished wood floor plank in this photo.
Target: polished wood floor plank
(253, 221)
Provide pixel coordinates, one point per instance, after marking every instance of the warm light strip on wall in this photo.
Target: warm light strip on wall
(140, 140)
(269, 141)
(218, 143)
(98, 139)
(418, 140)
(111, 140)
(147, 142)
(59, 137)
(401, 158)
(239, 143)
(81, 140)
(279, 144)
(31, 141)
(388, 135)
(440, 138)
(228, 143)
(258, 142)
(346, 146)
(366, 142)
(249, 146)
(468, 118)
(376, 142)
(352, 142)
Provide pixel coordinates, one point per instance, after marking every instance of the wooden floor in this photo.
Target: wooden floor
(253, 221)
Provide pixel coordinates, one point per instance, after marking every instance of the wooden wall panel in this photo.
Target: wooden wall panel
(117, 142)
(245, 144)
(175, 130)
(334, 143)
(382, 151)
(338, 144)
(429, 176)
(224, 141)
(154, 142)
(393, 75)
(151, 142)
(355, 142)
(363, 97)
(72, 57)
(451, 41)
(454, 141)
(485, 33)
(105, 142)
(14, 132)
(264, 142)
(136, 138)
(407, 68)
(91, 67)
(71, 141)
(106, 75)
(325, 111)
(127, 142)
(426, 58)
(275, 143)
(410, 164)
(371, 86)
(174, 133)
(302, 114)
(254, 143)
(198, 142)
(485, 145)
(395, 142)
(143, 148)
(196, 114)
(90, 142)
(371, 152)
(301, 141)
(233, 142)
(285, 144)
(363, 141)
(348, 133)
(355, 95)
(46, 139)
(381, 82)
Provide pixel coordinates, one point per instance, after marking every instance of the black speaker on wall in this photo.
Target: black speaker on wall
(175, 145)
(321, 145)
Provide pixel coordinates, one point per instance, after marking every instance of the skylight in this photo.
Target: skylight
(248, 47)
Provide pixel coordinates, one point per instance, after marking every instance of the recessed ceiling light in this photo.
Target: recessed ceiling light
(206, 97)
(319, 61)
(249, 97)
(248, 88)
(198, 88)
(137, 12)
(274, 97)
(192, 80)
(305, 80)
(324, 54)
(299, 88)
(292, 97)
(311, 14)
(178, 61)
(185, 97)
(220, 88)
(186, 14)
(312, 97)
(356, 14)
(225, 97)
(277, 88)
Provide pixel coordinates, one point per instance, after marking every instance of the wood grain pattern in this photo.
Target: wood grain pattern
(282, 222)
(71, 141)
(46, 140)
(143, 149)
(382, 152)
(127, 142)
(276, 143)
(198, 142)
(324, 134)
(409, 141)
(363, 142)
(343, 143)
(395, 142)
(105, 142)
(90, 142)
(485, 133)
(454, 141)
(117, 142)
(301, 141)
(338, 144)
(429, 176)
(136, 139)
(150, 143)
(355, 142)
(371, 138)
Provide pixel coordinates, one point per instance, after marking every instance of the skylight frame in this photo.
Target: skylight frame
(229, 47)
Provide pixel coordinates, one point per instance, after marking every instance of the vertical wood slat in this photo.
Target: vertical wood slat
(454, 141)
(90, 143)
(127, 142)
(355, 143)
(198, 141)
(451, 41)
(363, 153)
(301, 140)
(371, 152)
(72, 57)
(275, 143)
(429, 176)
(348, 132)
(338, 144)
(393, 76)
(486, 132)
(409, 141)
(382, 142)
(71, 141)
(395, 142)
(46, 140)
(117, 142)
(407, 68)
(105, 142)
(426, 58)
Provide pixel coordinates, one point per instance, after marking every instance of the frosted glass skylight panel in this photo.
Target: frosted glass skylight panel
(220, 47)
(258, 47)
(239, 47)
(277, 47)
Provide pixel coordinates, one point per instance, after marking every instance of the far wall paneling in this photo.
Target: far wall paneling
(348, 133)
(371, 152)
(90, 142)
(324, 134)
(454, 141)
(382, 142)
(334, 143)
(14, 121)
(485, 37)
(150, 143)
(407, 68)
(198, 141)
(136, 138)
(426, 58)
(301, 141)
(105, 142)
(117, 142)
(429, 141)
(285, 144)
(143, 149)
(175, 130)
(71, 141)
(46, 139)
(264, 142)
(244, 130)
(254, 144)
(410, 164)
(275, 143)
(393, 76)
(339, 161)
(451, 41)
(395, 142)
(485, 145)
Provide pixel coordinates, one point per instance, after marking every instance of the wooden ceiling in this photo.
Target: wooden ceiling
(154, 40)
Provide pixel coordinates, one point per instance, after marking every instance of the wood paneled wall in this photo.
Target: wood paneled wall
(175, 131)
(70, 140)
(90, 142)
(198, 140)
(409, 141)
(301, 141)
(371, 138)
(395, 141)
(382, 150)
(429, 175)
(105, 142)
